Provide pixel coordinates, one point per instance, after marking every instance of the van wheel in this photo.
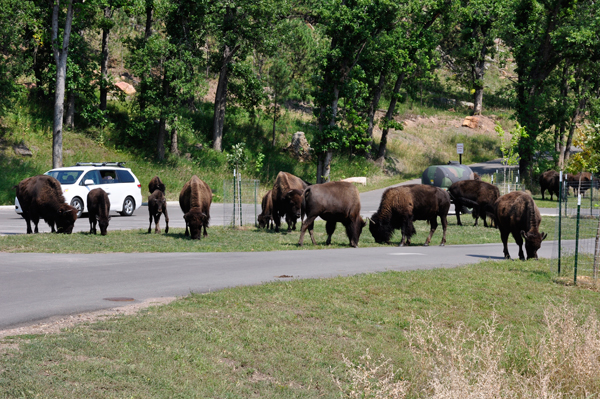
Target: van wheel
(77, 203)
(128, 207)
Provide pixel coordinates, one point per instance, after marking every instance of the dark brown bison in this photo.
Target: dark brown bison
(41, 197)
(287, 202)
(549, 181)
(400, 206)
(156, 184)
(157, 205)
(334, 202)
(98, 206)
(474, 194)
(517, 214)
(265, 219)
(195, 199)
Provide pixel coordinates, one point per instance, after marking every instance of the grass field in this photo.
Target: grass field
(494, 327)
(224, 239)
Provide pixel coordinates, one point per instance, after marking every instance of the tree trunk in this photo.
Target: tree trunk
(221, 98)
(147, 34)
(104, 62)
(389, 115)
(160, 148)
(174, 145)
(60, 58)
(275, 111)
(70, 116)
(326, 158)
(374, 104)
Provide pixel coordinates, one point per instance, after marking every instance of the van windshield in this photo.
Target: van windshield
(65, 176)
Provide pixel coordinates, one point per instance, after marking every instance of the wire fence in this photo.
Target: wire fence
(576, 250)
(507, 180)
(240, 202)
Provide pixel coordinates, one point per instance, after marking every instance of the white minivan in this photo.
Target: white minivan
(121, 185)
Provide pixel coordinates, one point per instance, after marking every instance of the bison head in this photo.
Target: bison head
(263, 221)
(358, 227)
(380, 232)
(103, 223)
(65, 219)
(533, 242)
(293, 199)
(195, 219)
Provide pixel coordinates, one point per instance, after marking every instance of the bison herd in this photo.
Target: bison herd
(335, 202)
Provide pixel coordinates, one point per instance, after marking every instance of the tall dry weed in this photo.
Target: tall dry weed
(562, 361)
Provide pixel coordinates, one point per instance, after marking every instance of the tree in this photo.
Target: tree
(471, 27)
(60, 59)
(542, 36)
(278, 78)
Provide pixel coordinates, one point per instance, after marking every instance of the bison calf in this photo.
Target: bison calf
(549, 181)
(400, 206)
(517, 214)
(98, 206)
(334, 202)
(195, 199)
(265, 219)
(157, 205)
(41, 197)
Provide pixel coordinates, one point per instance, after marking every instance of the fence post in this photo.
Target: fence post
(255, 202)
(577, 236)
(240, 198)
(592, 196)
(234, 193)
(560, 188)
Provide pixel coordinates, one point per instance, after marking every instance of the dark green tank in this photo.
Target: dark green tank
(444, 175)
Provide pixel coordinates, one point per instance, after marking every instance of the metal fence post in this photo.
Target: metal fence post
(255, 203)
(560, 188)
(577, 237)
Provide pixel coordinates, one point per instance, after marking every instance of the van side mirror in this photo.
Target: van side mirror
(88, 182)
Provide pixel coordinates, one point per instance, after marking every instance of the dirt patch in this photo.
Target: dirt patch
(54, 326)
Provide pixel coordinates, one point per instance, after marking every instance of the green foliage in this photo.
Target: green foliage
(588, 159)
(237, 159)
(509, 146)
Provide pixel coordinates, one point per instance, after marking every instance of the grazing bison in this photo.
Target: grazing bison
(41, 197)
(400, 206)
(265, 219)
(287, 202)
(157, 205)
(195, 199)
(334, 202)
(156, 184)
(98, 206)
(476, 194)
(517, 214)
(549, 181)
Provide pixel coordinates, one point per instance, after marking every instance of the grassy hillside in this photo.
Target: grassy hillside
(429, 140)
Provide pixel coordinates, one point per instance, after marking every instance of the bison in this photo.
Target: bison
(195, 199)
(400, 206)
(286, 201)
(157, 205)
(265, 219)
(41, 197)
(517, 214)
(473, 193)
(549, 181)
(581, 182)
(98, 206)
(334, 202)
(156, 184)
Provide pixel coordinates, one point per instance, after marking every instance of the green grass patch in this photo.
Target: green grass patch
(285, 339)
(247, 239)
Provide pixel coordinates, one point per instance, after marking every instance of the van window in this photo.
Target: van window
(65, 176)
(108, 176)
(124, 176)
(92, 175)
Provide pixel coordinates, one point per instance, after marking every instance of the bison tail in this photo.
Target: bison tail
(469, 203)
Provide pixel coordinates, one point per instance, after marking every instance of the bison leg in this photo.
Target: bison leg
(187, 233)
(28, 222)
(444, 220)
(504, 237)
(150, 225)
(276, 219)
(330, 228)
(36, 221)
(166, 220)
(457, 207)
(310, 225)
(434, 224)
(519, 241)
(157, 223)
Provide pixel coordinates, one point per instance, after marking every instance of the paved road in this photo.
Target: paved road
(37, 286)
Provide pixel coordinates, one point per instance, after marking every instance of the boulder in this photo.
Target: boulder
(471, 122)
(299, 147)
(21, 149)
(359, 180)
(126, 88)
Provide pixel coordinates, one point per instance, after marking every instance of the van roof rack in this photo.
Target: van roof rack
(119, 164)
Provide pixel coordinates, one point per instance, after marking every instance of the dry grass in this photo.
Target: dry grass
(456, 362)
